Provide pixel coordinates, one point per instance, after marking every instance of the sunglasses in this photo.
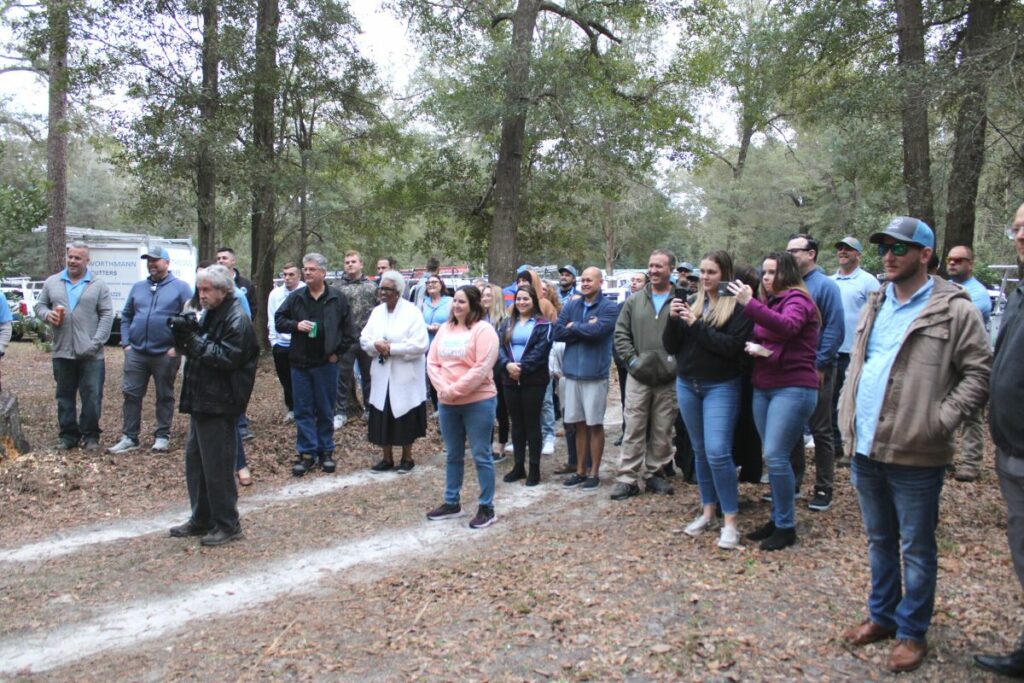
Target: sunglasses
(956, 261)
(897, 249)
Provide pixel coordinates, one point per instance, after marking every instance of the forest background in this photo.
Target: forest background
(583, 131)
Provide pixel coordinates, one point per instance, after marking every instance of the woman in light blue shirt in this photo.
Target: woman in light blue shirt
(436, 307)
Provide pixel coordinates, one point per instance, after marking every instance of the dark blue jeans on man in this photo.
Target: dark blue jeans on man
(472, 420)
(842, 365)
(84, 379)
(900, 509)
(313, 391)
(710, 410)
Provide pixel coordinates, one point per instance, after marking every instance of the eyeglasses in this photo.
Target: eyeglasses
(956, 261)
(897, 249)
(796, 250)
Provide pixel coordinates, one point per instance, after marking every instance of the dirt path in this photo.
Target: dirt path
(341, 577)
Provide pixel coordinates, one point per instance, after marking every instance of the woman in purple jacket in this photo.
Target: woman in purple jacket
(785, 379)
(523, 360)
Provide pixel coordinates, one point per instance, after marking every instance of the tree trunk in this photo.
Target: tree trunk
(12, 440)
(971, 123)
(916, 149)
(206, 169)
(741, 158)
(58, 25)
(503, 251)
(264, 94)
(610, 242)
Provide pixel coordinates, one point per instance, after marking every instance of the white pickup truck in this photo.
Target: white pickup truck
(116, 257)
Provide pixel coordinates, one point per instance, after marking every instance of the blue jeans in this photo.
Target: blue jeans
(79, 378)
(842, 365)
(313, 391)
(547, 415)
(457, 422)
(900, 509)
(239, 444)
(780, 416)
(709, 410)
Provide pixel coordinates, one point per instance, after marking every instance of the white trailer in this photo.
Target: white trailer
(116, 258)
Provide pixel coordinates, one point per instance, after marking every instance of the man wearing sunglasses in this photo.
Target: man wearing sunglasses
(919, 366)
(960, 268)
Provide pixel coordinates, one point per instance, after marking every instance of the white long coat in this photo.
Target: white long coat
(405, 370)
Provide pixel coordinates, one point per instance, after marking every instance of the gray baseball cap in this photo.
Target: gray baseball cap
(907, 229)
(851, 242)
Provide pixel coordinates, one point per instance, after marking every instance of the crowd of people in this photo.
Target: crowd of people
(877, 376)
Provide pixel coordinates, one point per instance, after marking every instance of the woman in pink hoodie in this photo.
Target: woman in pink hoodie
(460, 365)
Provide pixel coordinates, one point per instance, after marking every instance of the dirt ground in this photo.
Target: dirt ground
(340, 577)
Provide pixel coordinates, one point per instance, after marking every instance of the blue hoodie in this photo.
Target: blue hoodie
(588, 343)
(146, 311)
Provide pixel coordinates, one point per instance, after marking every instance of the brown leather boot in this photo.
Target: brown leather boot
(867, 632)
(907, 655)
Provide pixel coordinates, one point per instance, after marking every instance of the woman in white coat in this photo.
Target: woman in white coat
(395, 337)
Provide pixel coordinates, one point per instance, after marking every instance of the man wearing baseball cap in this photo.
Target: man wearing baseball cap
(855, 284)
(146, 340)
(919, 366)
(567, 283)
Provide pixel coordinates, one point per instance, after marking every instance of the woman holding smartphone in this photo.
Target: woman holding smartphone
(707, 336)
(785, 378)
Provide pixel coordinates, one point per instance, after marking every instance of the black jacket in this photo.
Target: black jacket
(249, 289)
(337, 327)
(704, 352)
(1006, 386)
(534, 362)
(220, 362)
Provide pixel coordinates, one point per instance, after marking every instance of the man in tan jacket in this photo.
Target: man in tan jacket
(919, 366)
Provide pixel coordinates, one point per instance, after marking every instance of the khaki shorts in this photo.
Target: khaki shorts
(585, 401)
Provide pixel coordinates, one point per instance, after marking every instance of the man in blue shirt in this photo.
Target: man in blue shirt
(825, 293)
(567, 283)
(918, 367)
(78, 307)
(960, 268)
(146, 340)
(855, 284)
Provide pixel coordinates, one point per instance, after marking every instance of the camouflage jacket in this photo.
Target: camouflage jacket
(362, 298)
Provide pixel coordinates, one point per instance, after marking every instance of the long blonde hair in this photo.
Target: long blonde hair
(496, 313)
(721, 309)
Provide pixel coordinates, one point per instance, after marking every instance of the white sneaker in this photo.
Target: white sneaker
(698, 526)
(729, 538)
(125, 445)
(549, 446)
(339, 421)
(808, 441)
(289, 417)
(161, 443)
(508, 447)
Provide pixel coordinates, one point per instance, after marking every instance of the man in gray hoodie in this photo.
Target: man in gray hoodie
(77, 306)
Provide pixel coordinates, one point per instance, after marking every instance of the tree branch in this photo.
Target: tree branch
(593, 29)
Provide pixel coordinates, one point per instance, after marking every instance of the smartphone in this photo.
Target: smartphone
(723, 289)
(682, 293)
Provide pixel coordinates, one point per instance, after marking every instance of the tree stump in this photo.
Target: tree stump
(12, 441)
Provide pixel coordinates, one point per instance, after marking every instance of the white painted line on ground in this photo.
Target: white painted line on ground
(131, 624)
(83, 537)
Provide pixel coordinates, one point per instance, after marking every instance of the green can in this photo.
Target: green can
(312, 332)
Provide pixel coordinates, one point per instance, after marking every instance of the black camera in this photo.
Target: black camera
(183, 323)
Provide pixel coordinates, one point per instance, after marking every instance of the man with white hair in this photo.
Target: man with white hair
(318, 319)
(221, 354)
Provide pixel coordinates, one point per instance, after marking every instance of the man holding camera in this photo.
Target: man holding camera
(146, 339)
(650, 387)
(221, 353)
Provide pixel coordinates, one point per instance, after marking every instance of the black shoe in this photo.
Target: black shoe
(498, 456)
(591, 484)
(67, 444)
(220, 537)
(1011, 665)
(405, 467)
(327, 463)
(187, 529)
(573, 481)
(821, 501)
(669, 471)
(484, 517)
(658, 485)
(622, 491)
(304, 464)
(781, 538)
(762, 532)
(383, 466)
(533, 478)
(515, 474)
(445, 511)
(91, 445)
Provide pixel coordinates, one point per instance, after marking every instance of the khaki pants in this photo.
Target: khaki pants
(972, 442)
(640, 458)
